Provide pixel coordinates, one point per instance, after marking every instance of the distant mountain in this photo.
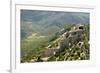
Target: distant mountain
(46, 22)
(54, 17)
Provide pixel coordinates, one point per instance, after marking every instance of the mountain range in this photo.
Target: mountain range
(54, 17)
(47, 22)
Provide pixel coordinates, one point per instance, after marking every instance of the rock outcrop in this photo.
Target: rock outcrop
(66, 40)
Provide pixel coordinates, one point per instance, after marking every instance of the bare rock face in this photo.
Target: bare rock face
(66, 40)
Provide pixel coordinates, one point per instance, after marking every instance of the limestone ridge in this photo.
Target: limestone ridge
(66, 39)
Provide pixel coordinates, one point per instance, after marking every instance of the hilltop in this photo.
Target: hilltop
(70, 45)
